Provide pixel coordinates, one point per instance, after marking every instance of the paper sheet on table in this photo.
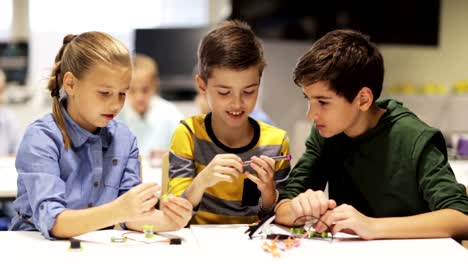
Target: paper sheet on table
(105, 236)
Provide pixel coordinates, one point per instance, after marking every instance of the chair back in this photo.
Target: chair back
(165, 173)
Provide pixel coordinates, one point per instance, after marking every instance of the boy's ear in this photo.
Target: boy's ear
(69, 83)
(366, 98)
(201, 84)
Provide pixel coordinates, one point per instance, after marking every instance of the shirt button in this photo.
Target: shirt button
(96, 184)
(115, 162)
(90, 205)
(42, 207)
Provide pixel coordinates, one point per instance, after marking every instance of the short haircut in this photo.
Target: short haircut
(232, 45)
(347, 60)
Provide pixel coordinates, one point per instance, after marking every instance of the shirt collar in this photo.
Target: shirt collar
(79, 135)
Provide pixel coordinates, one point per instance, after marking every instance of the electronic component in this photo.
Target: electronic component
(75, 245)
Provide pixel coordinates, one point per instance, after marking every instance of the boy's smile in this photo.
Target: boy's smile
(236, 115)
(232, 95)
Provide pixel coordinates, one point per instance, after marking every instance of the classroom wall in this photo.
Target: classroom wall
(284, 101)
(445, 64)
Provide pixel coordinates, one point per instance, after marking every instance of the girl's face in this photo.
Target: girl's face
(98, 97)
(231, 94)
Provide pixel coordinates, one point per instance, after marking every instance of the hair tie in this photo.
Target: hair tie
(56, 91)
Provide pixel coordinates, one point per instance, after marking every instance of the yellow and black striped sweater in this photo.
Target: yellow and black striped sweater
(193, 147)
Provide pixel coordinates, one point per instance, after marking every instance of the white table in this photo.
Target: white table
(8, 177)
(229, 244)
(460, 168)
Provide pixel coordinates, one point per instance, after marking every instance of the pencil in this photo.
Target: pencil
(286, 157)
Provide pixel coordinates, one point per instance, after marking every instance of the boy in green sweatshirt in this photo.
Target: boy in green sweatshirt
(387, 171)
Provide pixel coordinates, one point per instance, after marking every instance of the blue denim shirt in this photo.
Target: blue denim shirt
(95, 170)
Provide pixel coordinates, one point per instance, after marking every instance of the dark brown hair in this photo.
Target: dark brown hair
(78, 54)
(347, 60)
(232, 45)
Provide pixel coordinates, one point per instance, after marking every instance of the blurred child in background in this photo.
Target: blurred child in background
(151, 118)
(9, 139)
(8, 124)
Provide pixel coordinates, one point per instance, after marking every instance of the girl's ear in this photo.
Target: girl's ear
(366, 98)
(69, 83)
(201, 84)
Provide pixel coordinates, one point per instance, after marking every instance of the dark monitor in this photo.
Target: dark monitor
(413, 22)
(14, 61)
(175, 50)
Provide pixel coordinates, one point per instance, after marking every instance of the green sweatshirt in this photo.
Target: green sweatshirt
(398, 168)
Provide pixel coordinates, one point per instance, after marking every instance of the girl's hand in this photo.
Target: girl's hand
(138, 201)
(177, 212)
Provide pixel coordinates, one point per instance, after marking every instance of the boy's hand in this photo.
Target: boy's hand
(138, 201)
(177, 212)
(345, 218)
(222, 168)
(313, 203)
(265, 168)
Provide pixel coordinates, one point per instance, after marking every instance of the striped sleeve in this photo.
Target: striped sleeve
(283, 167)
(181, 160)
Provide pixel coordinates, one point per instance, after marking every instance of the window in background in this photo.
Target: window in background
(6, 15)
(115, 16)
(50, 20)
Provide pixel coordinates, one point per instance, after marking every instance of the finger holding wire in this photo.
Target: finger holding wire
(264, 166)
(327, 221)
(349, 220)
(303, 227)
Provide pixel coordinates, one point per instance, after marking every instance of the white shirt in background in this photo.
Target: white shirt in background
(9, 132)
(154, 130)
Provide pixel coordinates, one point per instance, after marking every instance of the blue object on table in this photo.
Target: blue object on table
(462, 147)
(4, 223)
